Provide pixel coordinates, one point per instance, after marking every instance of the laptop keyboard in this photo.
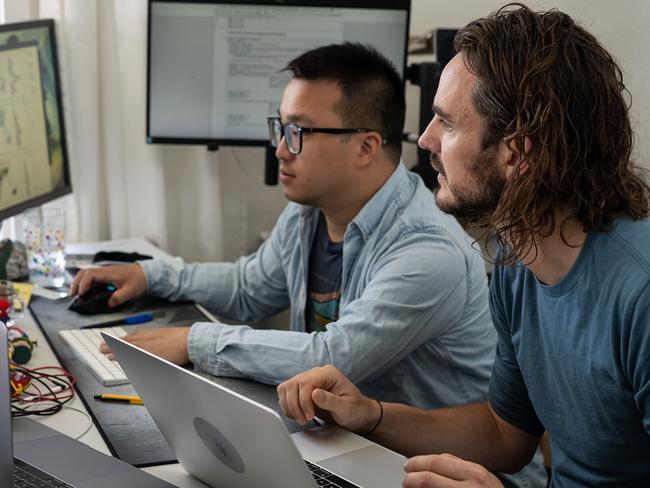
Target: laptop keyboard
(27, 476)
(328, 479)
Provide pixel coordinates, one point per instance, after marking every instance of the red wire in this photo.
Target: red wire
(64, 372)
(63, 395)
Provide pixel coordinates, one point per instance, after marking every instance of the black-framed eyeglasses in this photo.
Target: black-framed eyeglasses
(293, 133)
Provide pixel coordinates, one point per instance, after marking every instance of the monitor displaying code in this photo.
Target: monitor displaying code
(215, 70)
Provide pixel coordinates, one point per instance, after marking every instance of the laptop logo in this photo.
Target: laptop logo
(219, 445)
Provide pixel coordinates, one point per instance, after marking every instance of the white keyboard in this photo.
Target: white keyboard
(85, 346)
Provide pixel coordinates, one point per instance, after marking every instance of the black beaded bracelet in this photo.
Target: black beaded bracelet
(381, 416)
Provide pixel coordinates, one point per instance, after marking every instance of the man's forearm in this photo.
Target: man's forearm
(472, 432)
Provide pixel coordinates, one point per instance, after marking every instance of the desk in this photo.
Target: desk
(72, 423)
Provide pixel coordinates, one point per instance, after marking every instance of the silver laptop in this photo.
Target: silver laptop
(40, 456)
(227, 440)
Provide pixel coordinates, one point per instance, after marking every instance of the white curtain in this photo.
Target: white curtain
(171, 195)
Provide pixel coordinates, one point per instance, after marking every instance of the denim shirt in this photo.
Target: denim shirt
(414, 324)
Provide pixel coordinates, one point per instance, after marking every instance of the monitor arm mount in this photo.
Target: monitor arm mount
(271, 166)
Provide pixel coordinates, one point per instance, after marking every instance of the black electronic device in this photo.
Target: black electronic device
(444, 47)
(95, 300)
(119, 257)
(215, 67)
(426, 75)
(35, 165)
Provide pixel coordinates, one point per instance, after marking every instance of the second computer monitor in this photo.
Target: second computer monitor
(215, 68)
(33, 154)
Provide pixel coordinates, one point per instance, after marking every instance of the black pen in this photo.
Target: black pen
(132, 320)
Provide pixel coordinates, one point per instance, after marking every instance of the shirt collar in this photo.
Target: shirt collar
(388, 198)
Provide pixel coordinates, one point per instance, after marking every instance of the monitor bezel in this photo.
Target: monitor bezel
(67, 186)
(215, 142)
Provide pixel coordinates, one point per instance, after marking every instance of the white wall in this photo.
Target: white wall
(621, 26)
(246, 205)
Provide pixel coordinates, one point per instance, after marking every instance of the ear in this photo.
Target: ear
(515, 159)
(370, 145)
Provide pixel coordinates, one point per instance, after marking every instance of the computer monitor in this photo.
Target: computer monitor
(33, 154)
(215, 67)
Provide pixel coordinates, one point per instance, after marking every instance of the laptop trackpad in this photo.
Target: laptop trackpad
(68, 459)
(371, 466)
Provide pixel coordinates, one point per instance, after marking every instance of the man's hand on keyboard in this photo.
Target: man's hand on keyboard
(169, 343)
(129, 280)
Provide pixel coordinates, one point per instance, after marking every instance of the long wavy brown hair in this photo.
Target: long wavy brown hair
(541, 76)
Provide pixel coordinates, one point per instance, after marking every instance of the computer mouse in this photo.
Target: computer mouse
(95, 300)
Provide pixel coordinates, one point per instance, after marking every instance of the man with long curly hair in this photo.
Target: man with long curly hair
(532, 141)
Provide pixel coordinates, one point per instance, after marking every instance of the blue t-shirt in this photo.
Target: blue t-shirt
(324, 282)
(574, 358)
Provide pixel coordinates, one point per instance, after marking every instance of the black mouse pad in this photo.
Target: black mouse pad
(129, 430)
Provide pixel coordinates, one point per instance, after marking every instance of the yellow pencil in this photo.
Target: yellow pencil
(133, 400)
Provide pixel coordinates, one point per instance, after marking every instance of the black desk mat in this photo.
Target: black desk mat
(129, 430)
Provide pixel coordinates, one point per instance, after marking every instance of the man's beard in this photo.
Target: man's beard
(474, 203)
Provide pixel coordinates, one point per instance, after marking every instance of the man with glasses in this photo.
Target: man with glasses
(380, 282)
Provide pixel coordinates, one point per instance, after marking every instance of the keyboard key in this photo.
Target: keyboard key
(340, 482)
(28, 476)
(327, 479)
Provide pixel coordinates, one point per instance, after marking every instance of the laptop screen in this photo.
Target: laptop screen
(6, 443)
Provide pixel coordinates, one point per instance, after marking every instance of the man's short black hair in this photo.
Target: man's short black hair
(373, 91)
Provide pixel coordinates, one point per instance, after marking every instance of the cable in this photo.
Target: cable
(51, 401)
(85, 414)
(39, 391)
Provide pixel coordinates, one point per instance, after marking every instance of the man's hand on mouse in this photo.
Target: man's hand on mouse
(129, 280)
(169, 343)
